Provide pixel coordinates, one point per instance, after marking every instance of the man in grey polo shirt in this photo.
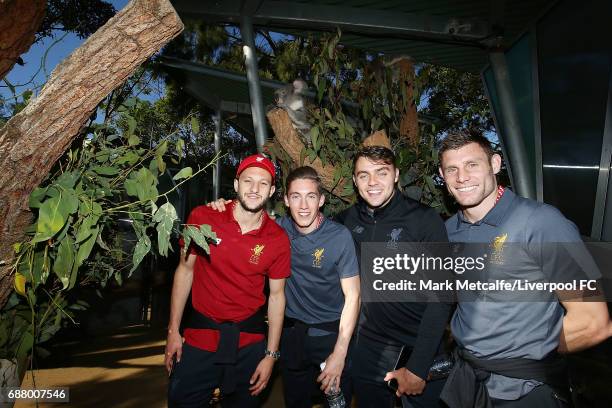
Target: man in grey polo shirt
(511, 337)
(322, 295)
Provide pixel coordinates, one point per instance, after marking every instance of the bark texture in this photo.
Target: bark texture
(409, 124)
(32, 141)
(19, 20)
(286, 136)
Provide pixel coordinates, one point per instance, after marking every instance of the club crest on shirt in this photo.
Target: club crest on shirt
(394, 236)
(358, 229)
(317, 257)
(256, 252)
(497, 247)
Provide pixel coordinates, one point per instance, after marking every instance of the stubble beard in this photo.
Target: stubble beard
(257, 209)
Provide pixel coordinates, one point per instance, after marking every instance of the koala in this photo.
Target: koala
(291, 99)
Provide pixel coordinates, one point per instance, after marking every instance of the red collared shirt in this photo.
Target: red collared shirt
(228, 284)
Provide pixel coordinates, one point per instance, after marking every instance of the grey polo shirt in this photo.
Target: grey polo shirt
(318, 261)
(497, 329)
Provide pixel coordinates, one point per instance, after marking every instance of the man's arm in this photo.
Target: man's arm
(334, 364)
(183, 278)
(585, 324)
(276, 314)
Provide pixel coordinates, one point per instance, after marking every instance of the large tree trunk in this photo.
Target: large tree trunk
(409, 124)
(33, 140)
(287, 137)
(19, 20)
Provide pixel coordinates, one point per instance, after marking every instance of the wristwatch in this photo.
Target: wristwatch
(274, 354)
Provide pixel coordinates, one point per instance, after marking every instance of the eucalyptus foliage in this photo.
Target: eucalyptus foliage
(107, 180)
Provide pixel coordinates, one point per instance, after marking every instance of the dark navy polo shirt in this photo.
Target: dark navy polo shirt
(500, 329)
(318, 261)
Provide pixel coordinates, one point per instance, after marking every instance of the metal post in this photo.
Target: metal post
(217, 169)
(512, 137)
(250, 59)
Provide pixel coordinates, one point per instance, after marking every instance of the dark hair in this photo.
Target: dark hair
(376, 154)
(457, 140)
(303, 173)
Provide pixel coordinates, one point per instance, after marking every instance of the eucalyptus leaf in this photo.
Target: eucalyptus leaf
(165, 217)
(184, 173)
(195, 125)
(62, 266)
(36, 197)
(52, 216)
(142, 248)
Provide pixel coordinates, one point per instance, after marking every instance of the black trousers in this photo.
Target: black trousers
(371, 360)
(195, 378)
(541, 397)
(299, 385)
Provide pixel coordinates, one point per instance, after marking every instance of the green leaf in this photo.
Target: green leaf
(194, 233)
(131, 125)
(105, 170)
(162, 148)
(67, 179)
(131, 187)
(314, 137)
(142, 248)
(184, 173)
(52, 216)
(180, 148)
(36, 197)
(85, 229)
(71, 201)
(82, 254)
(165, 217)
(62, 266)
(195, 125)
(133, 140)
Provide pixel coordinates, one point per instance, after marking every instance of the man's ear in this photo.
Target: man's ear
(272, 190)
(236, 185)
(396, 175)
(440, 172)
(286, 200)
(321, 200)
(354, 180)
(496, 163)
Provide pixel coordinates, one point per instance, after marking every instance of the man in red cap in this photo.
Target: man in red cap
(224, 339)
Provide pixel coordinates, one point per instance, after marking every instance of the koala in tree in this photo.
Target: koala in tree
(291, 99)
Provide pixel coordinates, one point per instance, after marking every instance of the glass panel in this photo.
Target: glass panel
(574, 67)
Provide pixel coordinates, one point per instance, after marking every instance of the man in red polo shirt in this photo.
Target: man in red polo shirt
(224, 340)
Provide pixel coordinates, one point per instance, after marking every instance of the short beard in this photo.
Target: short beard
(250, 209)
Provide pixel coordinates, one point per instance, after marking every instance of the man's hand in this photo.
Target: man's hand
(174, 345)
(334, 364)
(407, 382)
(219, 204)
(261, 376)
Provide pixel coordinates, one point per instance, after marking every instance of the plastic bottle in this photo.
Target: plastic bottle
(335, 397)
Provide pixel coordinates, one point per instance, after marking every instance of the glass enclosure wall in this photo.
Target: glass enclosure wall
(561, 73)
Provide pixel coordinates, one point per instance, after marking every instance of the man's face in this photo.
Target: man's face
(304, 200)
(375, 181)
(254, 188)
(470, 175)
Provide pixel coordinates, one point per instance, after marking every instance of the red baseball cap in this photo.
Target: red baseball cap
(257, 160)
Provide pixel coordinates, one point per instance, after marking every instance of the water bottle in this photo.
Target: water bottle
(335, 397)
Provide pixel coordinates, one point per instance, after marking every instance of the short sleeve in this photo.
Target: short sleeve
(347, 261)
(281, 266)
(555, 243)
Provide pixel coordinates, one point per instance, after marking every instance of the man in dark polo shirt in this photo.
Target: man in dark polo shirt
(499, 337)
(224, 342)
(322, 293)
(384, 214)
